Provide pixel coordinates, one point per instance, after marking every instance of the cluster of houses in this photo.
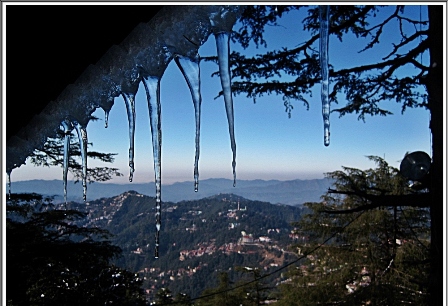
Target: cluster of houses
(159, 277)
(203, 249)
(208, 248)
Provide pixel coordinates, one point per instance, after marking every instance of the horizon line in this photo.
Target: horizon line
(184, 181)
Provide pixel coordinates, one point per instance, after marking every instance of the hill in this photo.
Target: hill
(291, 192)
(199, 238)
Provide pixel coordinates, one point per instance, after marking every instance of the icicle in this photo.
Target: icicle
(106, 118)
(82, 136)
(67, 131)
(106, 105)
(152, 87)
(323, 56)
(191, 71)
(222, 44)
(129, 99)
(9, 183)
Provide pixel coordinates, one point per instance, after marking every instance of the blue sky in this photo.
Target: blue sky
(269, 145)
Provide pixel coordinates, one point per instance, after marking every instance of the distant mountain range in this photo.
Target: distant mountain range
(291, 192)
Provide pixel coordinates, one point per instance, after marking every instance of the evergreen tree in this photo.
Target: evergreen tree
(364, 88)
(251, 287)
(378, 253)
(52, 261)
(52, 154)
(222, 295)
(183, 299)
(163, 297)
(360, 89)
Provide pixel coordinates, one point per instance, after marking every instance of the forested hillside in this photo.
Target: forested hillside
(198, 240)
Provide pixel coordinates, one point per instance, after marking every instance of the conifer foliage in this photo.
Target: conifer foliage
(52, 154)
(380, 253)
(52, 261)
(409, 71)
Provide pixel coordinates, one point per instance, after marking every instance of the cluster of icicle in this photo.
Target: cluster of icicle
(132, 53)
(174, 33)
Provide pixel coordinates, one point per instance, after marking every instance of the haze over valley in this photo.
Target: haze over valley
(291, 192)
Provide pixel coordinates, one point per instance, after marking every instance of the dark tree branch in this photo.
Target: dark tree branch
(376, 37)
(394, 63)
(405, 41)
(377, 201)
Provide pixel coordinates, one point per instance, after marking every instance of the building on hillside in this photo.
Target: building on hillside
(264, 239)
(247, 238)
(138, 251)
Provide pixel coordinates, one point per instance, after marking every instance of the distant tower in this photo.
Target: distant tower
(238, 205)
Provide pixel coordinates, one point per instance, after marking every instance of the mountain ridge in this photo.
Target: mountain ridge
(291, 192)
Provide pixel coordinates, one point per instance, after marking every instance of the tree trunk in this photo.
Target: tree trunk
(434, 85)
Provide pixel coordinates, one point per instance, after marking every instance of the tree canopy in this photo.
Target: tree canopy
(360, 89)
(52, 154)
(379, 255)
(52, 261)
(363, 88)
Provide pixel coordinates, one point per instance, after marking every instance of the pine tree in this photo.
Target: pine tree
(52, 261)
(164, 297)
(222, 295)
(183, 299)
(378, 253)
(52, 154)
(251, 287)
(359, 89)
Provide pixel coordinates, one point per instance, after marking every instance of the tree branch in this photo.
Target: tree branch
(376, 38)
(405, 42)
(411, 200)
(397, 62)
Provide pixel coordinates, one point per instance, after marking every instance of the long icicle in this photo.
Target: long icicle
(82, 137)
(323, 56)
(222, 45)
(106, 118)
(67, 132)
(191, 71)
(152, 87)
(8, 173)
(129, 100)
